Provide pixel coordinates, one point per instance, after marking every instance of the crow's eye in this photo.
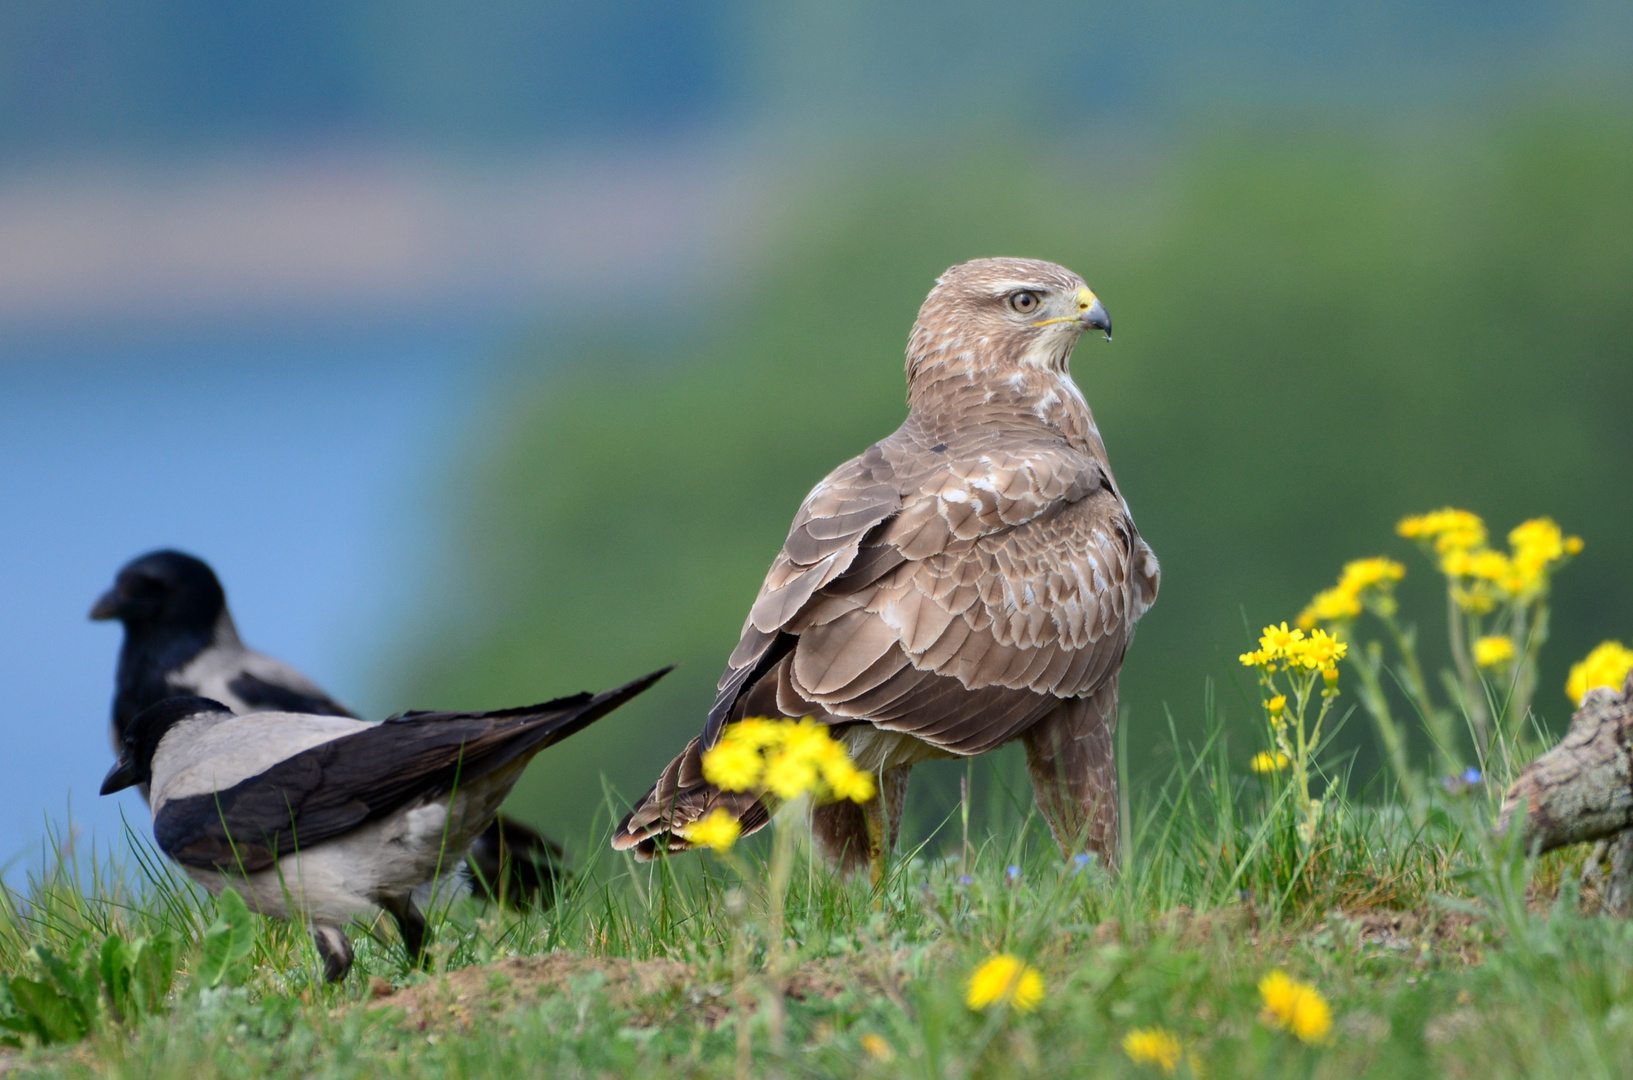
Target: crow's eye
(1024, 303)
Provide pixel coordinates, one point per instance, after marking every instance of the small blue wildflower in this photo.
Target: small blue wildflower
(1082, 861)
(1471, 775)
(1014, 873)
(965, 879)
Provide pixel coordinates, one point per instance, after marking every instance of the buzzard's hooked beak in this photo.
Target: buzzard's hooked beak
(1095, 317)
(120, 777)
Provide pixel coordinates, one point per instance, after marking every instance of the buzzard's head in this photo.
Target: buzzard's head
(989, 316)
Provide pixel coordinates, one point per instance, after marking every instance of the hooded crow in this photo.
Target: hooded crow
(180, 640)
(320, 818)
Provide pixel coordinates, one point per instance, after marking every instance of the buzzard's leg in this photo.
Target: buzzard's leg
(410, 923)
(1070, 754)
(335, 951)
(884, 819)
(851, 836)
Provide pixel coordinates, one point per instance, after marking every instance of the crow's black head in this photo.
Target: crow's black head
(164, 590)
(142, 735)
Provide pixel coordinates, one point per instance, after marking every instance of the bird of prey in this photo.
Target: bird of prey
(321, 818)
(180, 639)
(971, 579)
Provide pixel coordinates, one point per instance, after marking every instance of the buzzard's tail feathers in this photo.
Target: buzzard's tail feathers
(680, 798)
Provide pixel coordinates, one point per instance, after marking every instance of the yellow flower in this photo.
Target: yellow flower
(1330, 605)
(875, 1047)
(846, 781)
(1490, 565)
(1458, 563)
(1494, 651)
(1255, 659)
(786, 758)
(1573, 545)
(1319, 652)
(1539, 540)
(1277, 640)
(1361, 574)
(732, 764)
(757, 732)
(1008, 980)
(1265, 761)
(1153, 1046)
(1607, 665)
(719, 830)
(1446, 530)
(1276, 704)
(788, 775)
(1294, 1006)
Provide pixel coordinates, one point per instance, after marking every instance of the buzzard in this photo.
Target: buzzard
(971, 579)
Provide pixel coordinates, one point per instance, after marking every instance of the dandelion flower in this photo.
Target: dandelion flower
(1153, 1046)
(719, 830)
(875, 1047)
(1265, 761)
(1294, 1006)
(1005, 979)
(1494, 651)
(1607, 665)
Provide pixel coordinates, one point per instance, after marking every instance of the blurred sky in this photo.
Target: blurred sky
(260, 261)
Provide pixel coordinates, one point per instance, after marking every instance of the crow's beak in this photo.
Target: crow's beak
(120, 777)
(1095, 318)
(106, 606)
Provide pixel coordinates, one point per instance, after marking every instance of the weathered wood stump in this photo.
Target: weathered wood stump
(1582, 790)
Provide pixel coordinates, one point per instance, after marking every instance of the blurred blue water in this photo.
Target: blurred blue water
(297, 465)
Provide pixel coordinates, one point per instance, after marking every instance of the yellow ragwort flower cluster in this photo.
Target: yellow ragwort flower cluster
(1315, 651)
(1005, 980)
(1445, 529)
(1481, 577)
(718, 830)
(1607, 665)
(786, 758)
(1154, 1046)
(1361, 579)
(1294, 1006)
(1494, 651)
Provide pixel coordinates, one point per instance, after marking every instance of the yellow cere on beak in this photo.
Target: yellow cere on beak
(1085, 301)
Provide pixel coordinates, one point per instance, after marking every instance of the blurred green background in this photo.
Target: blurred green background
(1320, 328)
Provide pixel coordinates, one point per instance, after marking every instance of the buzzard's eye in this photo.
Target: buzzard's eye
(1024, 303)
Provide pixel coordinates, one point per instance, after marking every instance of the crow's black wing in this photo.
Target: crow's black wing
(331, 789)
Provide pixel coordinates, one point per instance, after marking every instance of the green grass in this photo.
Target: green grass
(1440, 952)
